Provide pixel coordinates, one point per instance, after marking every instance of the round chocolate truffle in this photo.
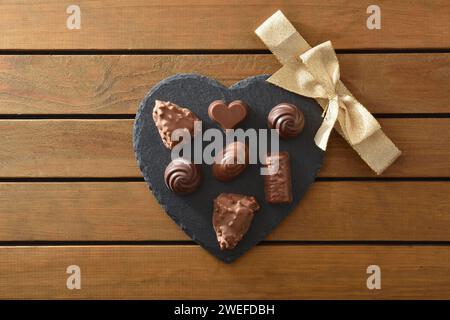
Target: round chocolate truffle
(182, 176)
(287, 119)
(231, 161)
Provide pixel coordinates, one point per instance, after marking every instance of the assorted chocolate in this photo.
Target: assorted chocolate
(231, 161)
(169, 117)
(232, 213)
(278, 184)
(287, 119)
(232, 216)
(182, 176)
(228, 116)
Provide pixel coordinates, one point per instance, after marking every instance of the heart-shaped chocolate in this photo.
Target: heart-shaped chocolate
(194, 212)
(228, 116)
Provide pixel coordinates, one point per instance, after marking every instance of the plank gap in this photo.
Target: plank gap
(107, 243)
(208, 52)
(131, 116)
(141, 179)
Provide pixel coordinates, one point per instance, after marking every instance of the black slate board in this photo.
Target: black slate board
(193, 213)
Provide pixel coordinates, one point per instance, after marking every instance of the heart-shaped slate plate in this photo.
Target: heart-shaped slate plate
(193, 213)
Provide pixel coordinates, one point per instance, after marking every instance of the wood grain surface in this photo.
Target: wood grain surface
(126, 211)
(66, 103)
(220, 24)
(103, 148)
(103, 84)
(188, 272)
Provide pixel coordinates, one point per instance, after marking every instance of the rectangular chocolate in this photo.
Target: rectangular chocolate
(278, 185)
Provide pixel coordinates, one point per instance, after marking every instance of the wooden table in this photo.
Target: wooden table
(71, 192)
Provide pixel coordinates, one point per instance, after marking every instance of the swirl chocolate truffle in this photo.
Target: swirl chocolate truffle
(232, 217)
(182, 176)
(169, 117)
(231, 161)
(287, 119)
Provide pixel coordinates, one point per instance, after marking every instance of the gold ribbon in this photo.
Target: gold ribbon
(314, 72)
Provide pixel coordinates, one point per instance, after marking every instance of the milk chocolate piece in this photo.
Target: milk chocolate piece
(182, 176)
(232, 216)
(287, 119)
(228, 116)
(231, 161)
(168, 117)
(278, 185)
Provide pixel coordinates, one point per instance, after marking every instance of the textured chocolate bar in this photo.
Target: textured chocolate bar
(278, 184)
(232, 216)
(169, 117)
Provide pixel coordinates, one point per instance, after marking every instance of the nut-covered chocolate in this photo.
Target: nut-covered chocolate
(228, 116)
(287, 119)
(278, 184)
(232, 217)
(231, 161)
(182, 177)
(169, 117)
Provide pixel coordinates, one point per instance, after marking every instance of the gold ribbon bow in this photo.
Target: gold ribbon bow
(314, 72)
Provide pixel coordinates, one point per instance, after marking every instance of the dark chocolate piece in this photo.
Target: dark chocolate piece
(182, 176)
(168, 117)
(287, 119)
(278, 185)
(228, 116)
(233, 214)
(231, 161)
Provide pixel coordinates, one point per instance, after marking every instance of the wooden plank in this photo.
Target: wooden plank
(116, 84)
(188, 272)
(103, 148)
(126, 211)
(220, 24)
(67, 148)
